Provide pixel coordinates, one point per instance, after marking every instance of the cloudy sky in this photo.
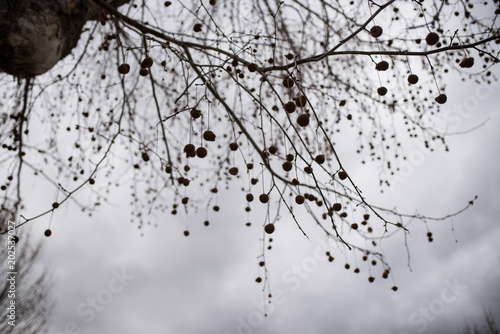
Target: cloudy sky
(110, 279)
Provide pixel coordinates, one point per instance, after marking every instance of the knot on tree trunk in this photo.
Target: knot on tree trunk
(36, 34)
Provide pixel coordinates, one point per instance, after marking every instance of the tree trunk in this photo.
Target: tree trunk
(36, 34)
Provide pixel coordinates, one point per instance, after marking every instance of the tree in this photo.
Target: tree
(31, 287)
(184, 99)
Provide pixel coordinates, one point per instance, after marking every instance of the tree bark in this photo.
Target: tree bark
(36, 34)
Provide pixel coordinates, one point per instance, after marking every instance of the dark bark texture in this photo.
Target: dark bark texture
(36, 34)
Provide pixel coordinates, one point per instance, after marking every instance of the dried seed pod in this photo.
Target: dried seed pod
(376, 31)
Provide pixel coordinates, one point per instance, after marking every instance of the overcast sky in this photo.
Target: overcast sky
(164, 282)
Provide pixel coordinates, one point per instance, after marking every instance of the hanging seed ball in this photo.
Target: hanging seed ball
(299, 199)
(249, 197)
(412, 79)
(371, 279)
(209, 135)
(320, 159)
(301, 101)
(429, 234)
(186, 233)
(337, 206)
(212, 2)
(289, 107)
(376, 31)
(47, 233)
(264, 198)
(467, 62)
(197, 27)
(185, 200)
(366, 216)
(269, 228)
(15, 239)
(124, 68)
(216, 208)
(394, 288)
(91, 181)
(432, 38)
(342, 175)
(168, 169)
(287, 166)
(262, 263)
(295, 182)
(288, 82)
(233, 170)
(441, 98)
(206, 223)
(249, 166)
(167, 3)
(273, 149)
(356, 270)
(189, 149)
(382, 91)
(354, 226)
(254, 181)
(289, 157)
(201, 152)
(233, 146)
(195, 113)
(143, 72)
(145, 156)
(303, 120)
(382, 66)
(55, 205)
(252, 67)
(258, 280)
(308, 169)
(147, 62)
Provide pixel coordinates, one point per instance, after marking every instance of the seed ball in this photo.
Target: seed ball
(189, 149)
(273, 149)
(212, 2)
(289, 157)
(308, 169)
(354, 226)
(233, 170)
(233, 146)
(143, 72)
(91, 181)
(371, 279)
(356, 270)
(330, 258)
(382, 91)
(258, 280)
(216, 208)
(262, 263)
(168, 169)
(197, 27)
(429, 234)
(366, 216)
(295, 182)
(254, 181)
(432, 38)
(349, 116)
(206, 223)
(347, 266)
(342, 175)
(47, 233)
(209, 135)
(269, 228)
(412, 79)
(145, 156)
(382, 66)
(195, 113)
(201, 152)
(467, 62)
(320, 159)
(288, 82)
(342, 103)
(185, 200)
(287, 166)
(441, 98)
(252, 67)
(299, 199)
(289, 107)
(167, 3)
(303, 120)
(186, 233)
(55, 205)
(376, 31)
(147, 62)
(337, 206)
(249, 197)
(124, 68)
(301, 101)
(264, 198)
(249, 166)
(394, 288)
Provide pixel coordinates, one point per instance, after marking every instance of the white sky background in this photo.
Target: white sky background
(205, 283)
